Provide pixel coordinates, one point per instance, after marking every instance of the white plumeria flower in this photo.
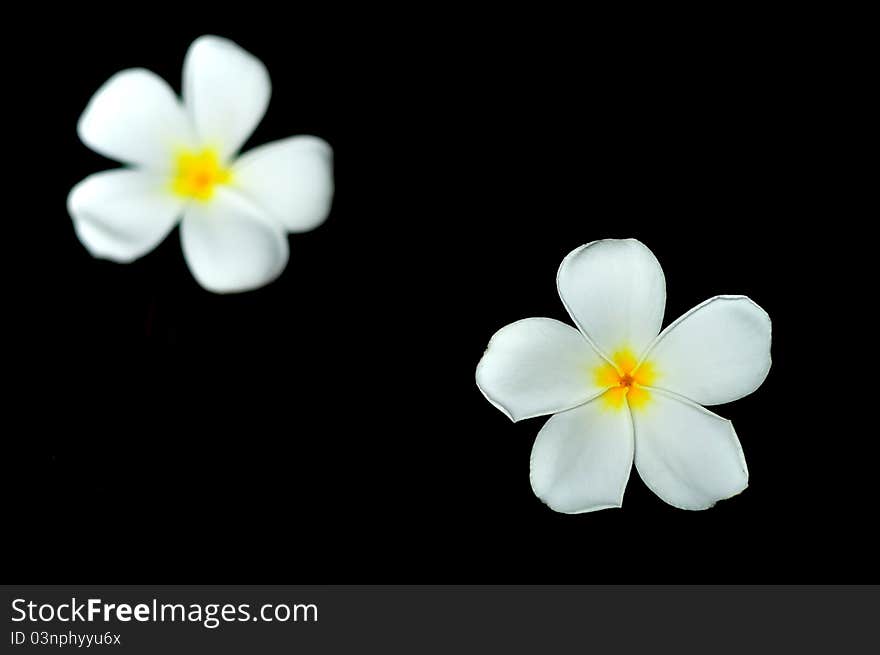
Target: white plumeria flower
(234, 213)
(619, 391)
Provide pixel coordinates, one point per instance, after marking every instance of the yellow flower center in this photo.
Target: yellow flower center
(627, 379)
(197, 174)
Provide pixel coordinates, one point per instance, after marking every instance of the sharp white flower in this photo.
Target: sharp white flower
(234, 213)
(621, 390)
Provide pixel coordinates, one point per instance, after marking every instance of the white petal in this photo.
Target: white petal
(715, 353)
(122, 214)
(582, 458)
(687, 455)
(230, 245)
(136, 118)
(538, 366)
(292, 179)
(226, 90)
(615, 291)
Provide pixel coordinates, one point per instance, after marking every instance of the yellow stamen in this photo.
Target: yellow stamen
(627, 379)
(197, 174)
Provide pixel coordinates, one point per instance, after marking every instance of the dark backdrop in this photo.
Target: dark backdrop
(327, 428)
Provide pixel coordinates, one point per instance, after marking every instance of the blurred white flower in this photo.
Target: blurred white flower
(234, 213)
(619, 391)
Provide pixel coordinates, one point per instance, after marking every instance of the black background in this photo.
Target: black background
(327, 428)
